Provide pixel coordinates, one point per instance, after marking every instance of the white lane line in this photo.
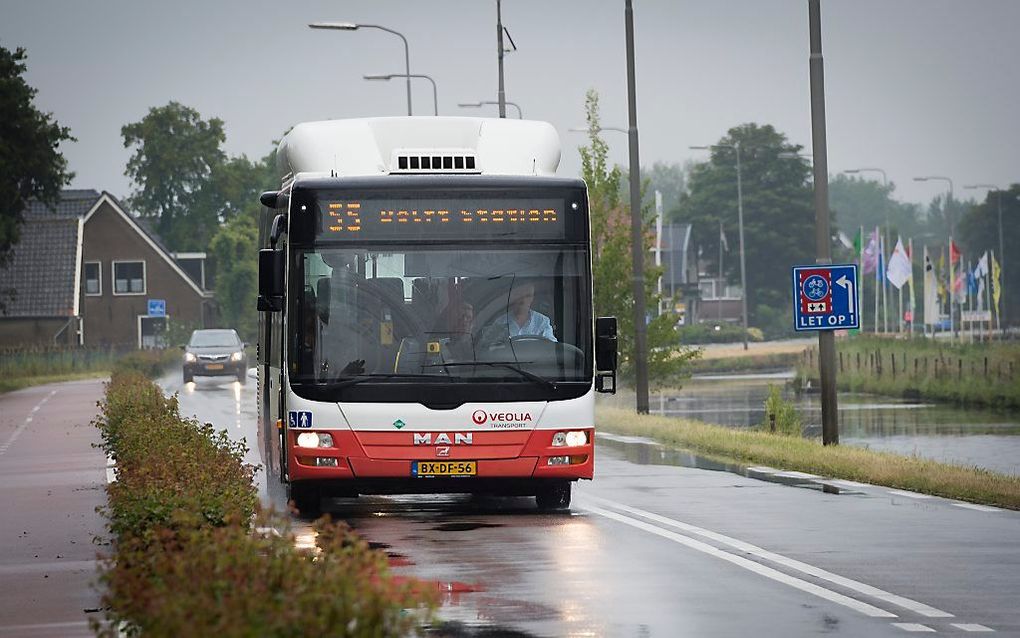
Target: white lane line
(979, 508)
(21, 428)
(790, 563)
(973, 627)
(908, 494)
(913, 627)
(750, 565)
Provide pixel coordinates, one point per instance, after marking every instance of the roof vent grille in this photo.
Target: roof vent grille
(438, 162)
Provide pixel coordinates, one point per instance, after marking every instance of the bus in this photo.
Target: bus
(425, 313)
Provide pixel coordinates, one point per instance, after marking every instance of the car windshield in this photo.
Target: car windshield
(480, 314)
(214, 339)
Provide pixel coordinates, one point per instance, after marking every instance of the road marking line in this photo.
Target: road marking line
(972, 627)
(811, 570)
(750, 565)
(913, 627)
(908, 494)
(979, 508)
(21, 428)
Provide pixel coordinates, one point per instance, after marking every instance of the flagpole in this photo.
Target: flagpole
(878, 248)
(952, 293)
(910, 305)
(884, 279)
(718, 302)
(860, 265)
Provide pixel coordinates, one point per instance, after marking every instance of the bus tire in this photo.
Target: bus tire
(554, 497)
(306, 499)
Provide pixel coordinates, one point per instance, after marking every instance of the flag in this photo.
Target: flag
(982, 267)
(972, 283)
(846, 241)
(931, 302)
(880, 271)
(859, 241)
(960, 286)
(996, 283)
(941, 281)
(954, 252)
(869, 258)
(722, 238)
(899, 270)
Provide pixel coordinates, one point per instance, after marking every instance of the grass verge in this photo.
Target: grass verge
(9, 384)
(806, 455)
(22, 368)
(192, 556)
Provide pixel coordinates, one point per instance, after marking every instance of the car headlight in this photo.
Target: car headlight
(315, 439)
(570, 439)
(190, 357)
(237, 356)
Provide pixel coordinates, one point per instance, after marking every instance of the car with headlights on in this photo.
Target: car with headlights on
(215, 353)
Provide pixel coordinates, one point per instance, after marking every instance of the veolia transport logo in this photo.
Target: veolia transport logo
(478, 417)
(502, 420)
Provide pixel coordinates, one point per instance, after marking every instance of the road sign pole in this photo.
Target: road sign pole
(826, 338)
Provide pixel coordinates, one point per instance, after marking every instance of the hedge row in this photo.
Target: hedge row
(193, 556)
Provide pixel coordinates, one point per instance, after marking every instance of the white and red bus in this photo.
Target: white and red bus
(426, 322)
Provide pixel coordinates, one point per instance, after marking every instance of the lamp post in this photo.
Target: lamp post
(1002, 253)
(740, 229)
(578, 129)
(475, 105)
(390, 76)
(952, 231)
(637, 247)
(351, 26)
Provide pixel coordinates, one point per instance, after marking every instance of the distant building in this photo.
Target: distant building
(86, 272)
(679, 281)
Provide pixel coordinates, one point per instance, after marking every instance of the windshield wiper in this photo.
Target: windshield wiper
(362, 378)
(511, 365)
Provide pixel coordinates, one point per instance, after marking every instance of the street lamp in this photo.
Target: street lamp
(390, 76)
(1002, 253)
(475, 105)
(351, 26)
(578, 129)
(740, 226)
(854, 171)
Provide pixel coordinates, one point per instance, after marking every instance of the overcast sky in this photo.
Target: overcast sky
(917, 87)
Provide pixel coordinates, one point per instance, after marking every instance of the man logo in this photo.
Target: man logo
(459, 438)
(443, 451)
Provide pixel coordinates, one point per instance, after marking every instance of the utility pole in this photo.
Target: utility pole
(501, 94)
(636, 227)
(823, 249)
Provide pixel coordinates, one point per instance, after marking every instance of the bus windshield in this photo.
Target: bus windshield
(518, 316)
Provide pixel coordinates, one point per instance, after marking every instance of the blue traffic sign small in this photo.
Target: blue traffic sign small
(157, 307)
(299, 419)
(826, 298)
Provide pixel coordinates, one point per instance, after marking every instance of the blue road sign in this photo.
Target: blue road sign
(157, 307)
(826, 298)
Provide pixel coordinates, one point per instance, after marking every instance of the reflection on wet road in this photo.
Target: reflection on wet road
(653, 548)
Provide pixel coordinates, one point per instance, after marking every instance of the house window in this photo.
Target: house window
(93, 278)
(129, 277)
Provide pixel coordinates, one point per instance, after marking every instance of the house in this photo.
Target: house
(86, 272)
(679, 281)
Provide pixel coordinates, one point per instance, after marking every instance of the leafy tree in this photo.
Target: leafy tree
(612, 267)
(857, 202)
(979, 231)
(176, 154)
(778, 216)
(31, 167)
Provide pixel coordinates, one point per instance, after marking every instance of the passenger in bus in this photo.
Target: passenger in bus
(460, 322)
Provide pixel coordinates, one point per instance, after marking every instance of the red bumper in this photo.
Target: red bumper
(388, 455)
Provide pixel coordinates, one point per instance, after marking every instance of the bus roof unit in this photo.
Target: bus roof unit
(434, 145)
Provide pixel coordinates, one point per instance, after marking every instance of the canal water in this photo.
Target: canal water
(974, 437)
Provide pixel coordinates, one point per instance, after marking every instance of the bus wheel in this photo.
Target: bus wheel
(306, 498)
(554, 497)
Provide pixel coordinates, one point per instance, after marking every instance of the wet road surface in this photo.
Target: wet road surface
(654, 548)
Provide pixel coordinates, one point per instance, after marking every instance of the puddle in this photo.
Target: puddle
(646, 452)
(463, 526)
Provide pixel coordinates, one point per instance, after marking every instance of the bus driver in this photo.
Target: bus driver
(521, 320)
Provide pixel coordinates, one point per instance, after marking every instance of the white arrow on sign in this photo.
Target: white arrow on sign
(849, 286)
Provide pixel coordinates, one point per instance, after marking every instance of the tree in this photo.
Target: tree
(857, 202)
(611, 263)
(31, 167)
(176, 154)
(778, 217)
(979, 232)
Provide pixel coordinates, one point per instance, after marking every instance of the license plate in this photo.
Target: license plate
(214, 366)
(425, 469)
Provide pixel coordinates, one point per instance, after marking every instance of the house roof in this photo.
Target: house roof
(43, 267)
(43, 274)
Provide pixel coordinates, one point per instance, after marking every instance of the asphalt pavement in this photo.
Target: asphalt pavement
(654, 548)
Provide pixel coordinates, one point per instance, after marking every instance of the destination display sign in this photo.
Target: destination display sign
(451, 218)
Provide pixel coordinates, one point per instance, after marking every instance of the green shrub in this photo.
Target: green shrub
(716, 333)
(148, 363)
(787, 421)
(186, 561)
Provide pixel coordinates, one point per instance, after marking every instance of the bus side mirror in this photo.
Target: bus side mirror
(605, 355)
(271, 279)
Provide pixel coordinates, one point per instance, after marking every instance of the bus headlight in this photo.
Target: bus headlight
(570, 439)
(314, 439)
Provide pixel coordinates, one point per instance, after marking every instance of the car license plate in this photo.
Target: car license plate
(426, 469)
(214, 366)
